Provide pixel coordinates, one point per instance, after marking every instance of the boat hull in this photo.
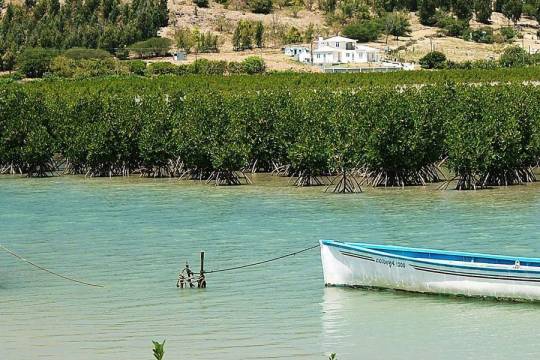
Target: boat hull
(348, 266)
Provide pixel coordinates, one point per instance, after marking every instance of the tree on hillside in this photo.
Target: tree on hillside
(260, 6)
(426, 12)
(201, 3)
(444, 5)
(499, 4)
(512, 10)
(363, 31)
(327, 6)
(259, 34)
(463, 9)
(483, 10)
(433, 60)
(243, 35)
(396, 24)
(292, 36)
(107, 24)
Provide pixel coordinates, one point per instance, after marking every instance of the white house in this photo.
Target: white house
(299, 52)
(342, 50)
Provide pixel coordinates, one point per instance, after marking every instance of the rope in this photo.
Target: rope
(264, 261)
(44, 269)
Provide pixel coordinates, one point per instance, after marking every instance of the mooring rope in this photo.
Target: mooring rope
(262, 262)
(46, 270)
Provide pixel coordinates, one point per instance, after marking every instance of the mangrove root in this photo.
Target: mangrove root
(281, 170)
(400, 178)
(509, 177)
(345, 184)
(306, 178)
(227, 177)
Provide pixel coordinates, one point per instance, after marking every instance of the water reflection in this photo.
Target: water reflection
(378, 324)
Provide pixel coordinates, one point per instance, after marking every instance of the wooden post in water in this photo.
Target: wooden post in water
(202, 262)
(202, 279)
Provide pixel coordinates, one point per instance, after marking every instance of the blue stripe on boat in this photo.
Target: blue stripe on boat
(422, 256)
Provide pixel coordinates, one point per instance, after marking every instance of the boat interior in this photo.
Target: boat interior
(442, 256)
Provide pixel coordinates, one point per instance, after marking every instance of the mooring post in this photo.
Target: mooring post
(202, 279)
(202, 262)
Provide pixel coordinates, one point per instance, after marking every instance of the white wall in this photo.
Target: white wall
(324, 58)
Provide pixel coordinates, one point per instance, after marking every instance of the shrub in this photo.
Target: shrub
(463, 9)
(137, 67)
(483, 10)
(292, 36)
(8, 60)
(234, 67)
(482, 35)
(151, 47)
(534, 59)
(253, 65)
(397, 24)
(218, 67)
(122, 53)
(451, 26)
(63, 66)
(201, 3)
(363, 31)
(206, 42)
(508, 33)
(206, 67)
(259, 34)
(426, 12)
(17, 75)
(83, 53)
(260, 6)
(433, 60)
(243, 36)
(161, 68)
(512, 10)
(34, 62)
(183, 69)
(184, 39)
(514, 56)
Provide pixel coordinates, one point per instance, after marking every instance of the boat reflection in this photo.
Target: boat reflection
(387, 324)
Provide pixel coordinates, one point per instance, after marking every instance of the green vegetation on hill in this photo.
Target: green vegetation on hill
(104, 24)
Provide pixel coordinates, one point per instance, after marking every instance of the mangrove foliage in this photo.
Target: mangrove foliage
(486, 135)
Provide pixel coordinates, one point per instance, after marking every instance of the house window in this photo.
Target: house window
(318, 56)
(348, 55)
(337, 44)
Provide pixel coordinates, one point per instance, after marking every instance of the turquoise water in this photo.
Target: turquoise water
(134, 235)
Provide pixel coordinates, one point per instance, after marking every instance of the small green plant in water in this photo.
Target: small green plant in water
(158, 349)
(332, 356)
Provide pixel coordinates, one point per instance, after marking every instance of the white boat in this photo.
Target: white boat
(430, 271)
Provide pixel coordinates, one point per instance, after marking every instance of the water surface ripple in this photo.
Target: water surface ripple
(134, 235)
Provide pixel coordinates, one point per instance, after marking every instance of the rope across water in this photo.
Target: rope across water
(262, 262)
(12, 253)
(47, 270)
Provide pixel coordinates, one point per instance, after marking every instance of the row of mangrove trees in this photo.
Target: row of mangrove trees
(274, 81)
(486, 135)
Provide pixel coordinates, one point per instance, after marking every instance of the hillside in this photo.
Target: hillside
(222, 21)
